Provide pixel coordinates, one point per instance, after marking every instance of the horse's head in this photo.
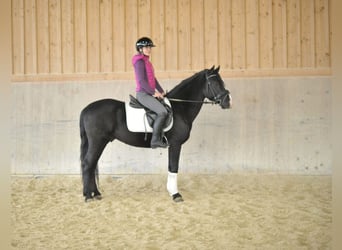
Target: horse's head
(215, 90)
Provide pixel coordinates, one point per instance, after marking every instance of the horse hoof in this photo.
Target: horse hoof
(98, 197)
(177, 197)
(89, 198)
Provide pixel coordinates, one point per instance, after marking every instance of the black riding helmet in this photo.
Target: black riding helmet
(144, 42)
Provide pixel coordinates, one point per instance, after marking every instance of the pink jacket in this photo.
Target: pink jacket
(144, 75)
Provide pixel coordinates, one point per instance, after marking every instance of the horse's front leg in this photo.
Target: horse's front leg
(172, 187)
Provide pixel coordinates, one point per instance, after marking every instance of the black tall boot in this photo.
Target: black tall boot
(157, 134)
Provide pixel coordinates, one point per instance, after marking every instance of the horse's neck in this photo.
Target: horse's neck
(192, 92)
(192, 111)
(190, 89)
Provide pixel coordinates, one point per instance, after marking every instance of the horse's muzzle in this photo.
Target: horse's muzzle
(226, 101)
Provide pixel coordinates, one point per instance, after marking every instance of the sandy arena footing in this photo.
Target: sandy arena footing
(219, 212)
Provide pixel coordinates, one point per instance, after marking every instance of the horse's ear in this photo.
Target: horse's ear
(217, 69)
(212, 68)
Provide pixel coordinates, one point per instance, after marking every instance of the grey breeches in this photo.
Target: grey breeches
(151, 102)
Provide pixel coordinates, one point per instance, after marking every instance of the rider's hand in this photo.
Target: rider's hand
(159, 95)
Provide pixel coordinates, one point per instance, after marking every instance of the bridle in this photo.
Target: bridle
(217, 98)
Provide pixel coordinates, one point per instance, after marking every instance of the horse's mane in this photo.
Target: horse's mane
(186, 83)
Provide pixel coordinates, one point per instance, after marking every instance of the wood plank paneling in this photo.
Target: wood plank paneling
(171, 41)
(95, 39)
(80, 36)
(197, 34)
(239, 34)
(18, 37)
(119, 33)
(184, 35)
(293, 34)
(131, 26)
(106, 35)
(68, 54)
(157, 26)
(144, 18)
(279, 34)
(322, 33)
(252, 34)
(55, 38)
(30, 37)
(93, 35)
(43, 41)
(266, 34)
(225, 33)
(210, 33)
(308, 33)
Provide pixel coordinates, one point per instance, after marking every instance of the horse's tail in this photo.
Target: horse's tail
(84, 142)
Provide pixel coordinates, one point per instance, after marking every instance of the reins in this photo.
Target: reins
(193, 101)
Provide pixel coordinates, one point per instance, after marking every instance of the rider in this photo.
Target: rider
(148, 89)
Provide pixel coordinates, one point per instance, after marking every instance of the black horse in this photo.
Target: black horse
(105, 120)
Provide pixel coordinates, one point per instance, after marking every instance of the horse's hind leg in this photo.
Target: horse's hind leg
(89, 166)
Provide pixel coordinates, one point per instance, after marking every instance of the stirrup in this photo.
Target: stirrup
(166, 140)
(159, 144)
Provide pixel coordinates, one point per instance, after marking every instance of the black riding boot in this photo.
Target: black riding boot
(157, 135)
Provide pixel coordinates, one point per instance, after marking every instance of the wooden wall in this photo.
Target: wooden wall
(94, 39)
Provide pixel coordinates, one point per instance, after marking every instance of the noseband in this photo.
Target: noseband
(217, 98)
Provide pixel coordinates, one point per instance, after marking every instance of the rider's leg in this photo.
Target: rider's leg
(153, 104)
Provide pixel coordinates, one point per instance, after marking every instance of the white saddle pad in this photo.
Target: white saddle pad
(137, 120)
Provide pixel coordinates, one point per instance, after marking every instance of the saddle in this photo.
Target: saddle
(141, 119)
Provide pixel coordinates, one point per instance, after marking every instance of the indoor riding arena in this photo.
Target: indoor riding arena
(257, 175)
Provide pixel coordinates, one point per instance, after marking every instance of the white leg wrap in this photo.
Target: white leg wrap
(172, 183)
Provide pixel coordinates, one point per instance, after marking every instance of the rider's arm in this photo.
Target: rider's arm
(158, 87)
